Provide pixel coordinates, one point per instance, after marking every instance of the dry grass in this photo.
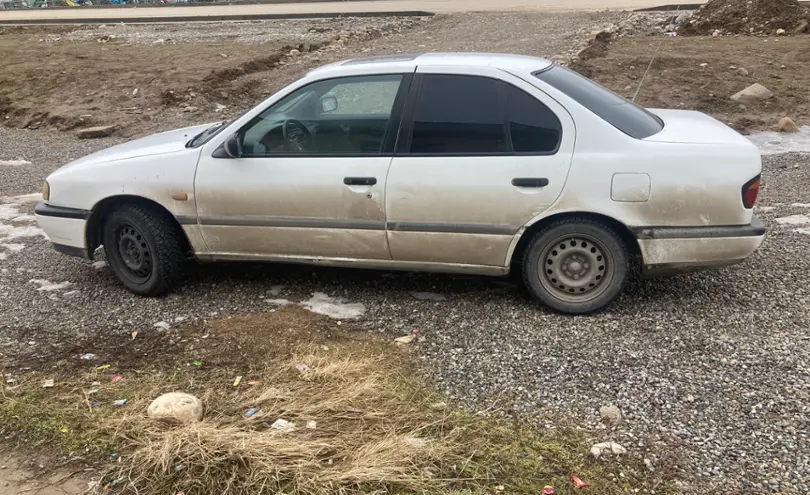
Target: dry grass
(379, 429)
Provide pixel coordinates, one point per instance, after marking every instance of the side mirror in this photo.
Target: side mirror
(329, 104)
(233, 146)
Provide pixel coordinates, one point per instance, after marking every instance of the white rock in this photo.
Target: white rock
(405, 339)
(294, 52)
(176, 406)
(755, 91)
(611, 415)
(607, 448)
(742, 71)
(780, 32)
(786, 124)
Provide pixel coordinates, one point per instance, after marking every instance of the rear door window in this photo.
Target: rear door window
(533, 127)
(457, 114)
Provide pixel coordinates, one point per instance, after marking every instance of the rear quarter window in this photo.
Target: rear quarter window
(623, 114)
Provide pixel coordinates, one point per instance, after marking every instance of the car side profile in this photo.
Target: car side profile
(463, 163)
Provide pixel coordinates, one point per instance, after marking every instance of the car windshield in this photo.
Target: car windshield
(623, 114)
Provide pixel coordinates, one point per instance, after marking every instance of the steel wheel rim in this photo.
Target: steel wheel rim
(575, 268)
(134, 252)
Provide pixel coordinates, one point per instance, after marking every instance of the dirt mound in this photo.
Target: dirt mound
(746, 17)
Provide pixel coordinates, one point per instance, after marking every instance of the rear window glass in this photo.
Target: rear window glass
(623, 114)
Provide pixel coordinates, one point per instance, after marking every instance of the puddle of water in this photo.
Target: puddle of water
(333, 307)
(770, 143)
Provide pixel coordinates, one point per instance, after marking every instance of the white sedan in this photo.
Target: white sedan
(464, 163)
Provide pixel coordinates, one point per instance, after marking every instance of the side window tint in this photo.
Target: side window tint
(346, 115)
(458, 114)
(533, 127)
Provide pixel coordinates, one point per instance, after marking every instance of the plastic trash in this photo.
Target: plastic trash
(250, 412)
(120, 402)
(547, 490)
(134, 334)
(283, 425)
(302, 368)
(578, 482)
(311, 425)
(237, 381)
(103, 367)
(88, 357)
(48, 383)
(179, 468)
(253, 382)
(197, 363)
(116, 378)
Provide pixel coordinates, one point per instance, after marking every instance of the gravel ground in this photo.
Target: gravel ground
(711, 370)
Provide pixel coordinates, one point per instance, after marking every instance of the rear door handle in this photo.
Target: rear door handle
(360, 181)
(530, 182)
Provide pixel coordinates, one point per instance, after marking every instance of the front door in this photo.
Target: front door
(480, 154)
(310, 181)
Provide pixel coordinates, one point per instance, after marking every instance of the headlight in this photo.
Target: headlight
(46, 191)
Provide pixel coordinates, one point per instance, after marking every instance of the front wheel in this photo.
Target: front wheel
(145, 249)
(576, 266)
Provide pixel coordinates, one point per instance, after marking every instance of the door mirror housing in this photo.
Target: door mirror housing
(329, 104)
(233, 146)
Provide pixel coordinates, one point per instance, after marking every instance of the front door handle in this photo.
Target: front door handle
(530, 182)
(360, 181)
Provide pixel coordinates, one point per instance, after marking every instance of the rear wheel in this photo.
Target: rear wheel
(145, 249)
(576, 266)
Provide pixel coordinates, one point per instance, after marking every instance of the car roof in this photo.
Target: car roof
(409, 62)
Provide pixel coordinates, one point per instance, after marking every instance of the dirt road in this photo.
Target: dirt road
(222, 11)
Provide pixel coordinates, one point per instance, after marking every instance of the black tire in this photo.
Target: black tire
(145, 249)
(576, 266)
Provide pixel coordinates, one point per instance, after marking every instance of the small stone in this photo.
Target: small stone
(648, 463)
(607, 448)
(190, 109)
(135, 92)
(177, 407)
(716, 32)
(780, 32)
(96, 132)
(783, 66)
(294, 52)
(742, 71)
(787, 125)
(754, 92)
(690, 398)
(610, 415)
(704, 65)
(223, 55)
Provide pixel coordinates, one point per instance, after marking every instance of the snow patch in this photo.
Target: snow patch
(794, 220)
(805, 231)
(161, 325)
(10, 214)
(278, 302)
(23, 198)
(765, 209)
(14, 163)
(800, 205)
(48, 286)
(98, 265)
(770, 143)
(333, 307)
(276, 289)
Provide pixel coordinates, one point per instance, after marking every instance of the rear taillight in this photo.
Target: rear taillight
(750, 191)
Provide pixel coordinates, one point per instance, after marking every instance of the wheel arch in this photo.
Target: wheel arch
(102, 209)
(620, 228)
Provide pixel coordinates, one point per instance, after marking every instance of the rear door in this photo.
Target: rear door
(480, 153)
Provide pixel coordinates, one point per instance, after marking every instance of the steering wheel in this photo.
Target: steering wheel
(296, 135)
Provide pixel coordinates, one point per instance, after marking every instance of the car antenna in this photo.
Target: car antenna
(657, 49)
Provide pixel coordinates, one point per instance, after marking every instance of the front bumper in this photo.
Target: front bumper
(669, 250)
(65, 228)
